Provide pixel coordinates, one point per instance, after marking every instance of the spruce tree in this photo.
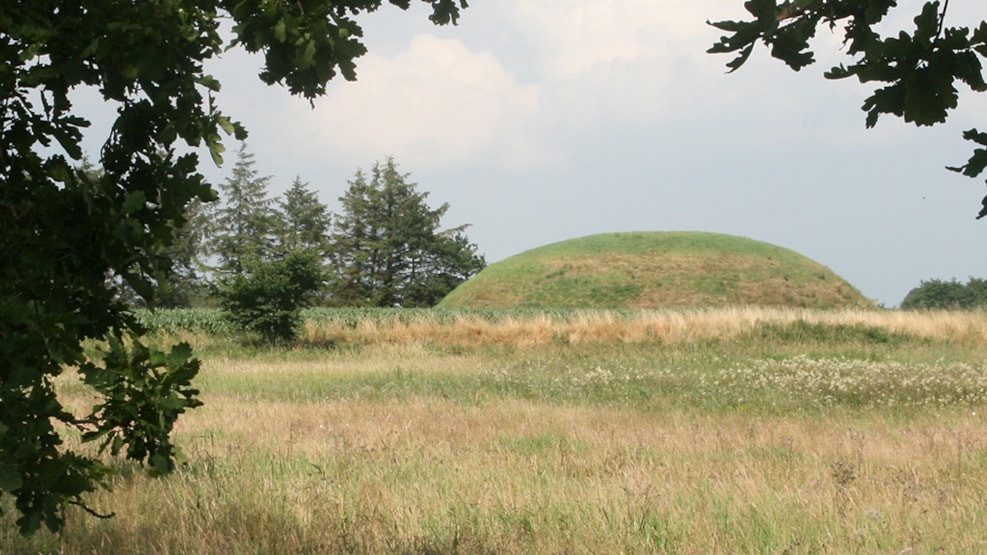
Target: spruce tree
(387, 248)
(304, 222)
(245, 222)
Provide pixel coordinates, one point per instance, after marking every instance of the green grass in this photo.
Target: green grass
(689, 242)
(655, 270)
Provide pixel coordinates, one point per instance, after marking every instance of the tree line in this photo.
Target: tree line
(261, 259)
(937, 294)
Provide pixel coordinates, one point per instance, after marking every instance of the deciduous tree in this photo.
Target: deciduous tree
(67, 238)
(937, 294)
(915, 71)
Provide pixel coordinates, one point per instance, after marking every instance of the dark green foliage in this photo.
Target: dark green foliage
(184, 283)
(947, 295)
(306, 44)
(271, 260)
(268, 296)
(388, 249)
(304, 221)
(70, 241)
(243, 230)
(916, 71)
(144, 391)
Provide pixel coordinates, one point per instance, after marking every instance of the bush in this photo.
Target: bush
(268, 297)
(947, 295)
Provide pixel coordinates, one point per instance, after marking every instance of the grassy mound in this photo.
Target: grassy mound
(655, 270)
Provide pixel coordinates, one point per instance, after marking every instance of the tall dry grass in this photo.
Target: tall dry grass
(583, 446)
(670, 327)
(430, 476)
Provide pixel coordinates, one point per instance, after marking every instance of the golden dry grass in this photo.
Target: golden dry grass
(329, 451)
(666, 326)
(431, 476)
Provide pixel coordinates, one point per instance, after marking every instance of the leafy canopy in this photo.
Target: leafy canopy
(915, 72)
(937, 294)
(71, 240)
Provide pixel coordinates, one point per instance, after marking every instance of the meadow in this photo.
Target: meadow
(736, 430)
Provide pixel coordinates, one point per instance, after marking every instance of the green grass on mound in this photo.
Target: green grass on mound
(655, 270)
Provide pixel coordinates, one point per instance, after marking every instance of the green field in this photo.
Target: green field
(703, 431)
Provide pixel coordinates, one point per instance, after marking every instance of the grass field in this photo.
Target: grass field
(707, 431)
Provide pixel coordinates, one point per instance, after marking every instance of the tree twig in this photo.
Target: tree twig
(91, 511)
(942, 19)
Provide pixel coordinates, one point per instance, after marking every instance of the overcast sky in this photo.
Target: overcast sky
(545, 120)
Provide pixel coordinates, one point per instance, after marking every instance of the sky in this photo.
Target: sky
(544, 120)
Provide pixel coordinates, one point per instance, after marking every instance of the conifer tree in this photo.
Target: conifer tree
(387, 248)
(304, 221)
(244, 223)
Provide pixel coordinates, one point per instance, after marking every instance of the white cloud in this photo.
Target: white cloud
(573, 36)
(436, 104)
(633, 61)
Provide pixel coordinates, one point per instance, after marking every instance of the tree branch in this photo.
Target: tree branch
(89, 510)
(942, 19)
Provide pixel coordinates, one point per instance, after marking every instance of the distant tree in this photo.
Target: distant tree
(303, 220)
(267, 297)
(354, 242)
(918, 69)
(977, 292)
(387, 248)
(434, 272)
(947, 295)
(244, 223)
(179, 283)
(183, 282)
(935, 294)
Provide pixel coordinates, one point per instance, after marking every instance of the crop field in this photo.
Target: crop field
(429, 432)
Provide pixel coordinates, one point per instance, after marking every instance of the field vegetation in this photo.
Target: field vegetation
(735, 430)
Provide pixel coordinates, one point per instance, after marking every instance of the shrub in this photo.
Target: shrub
(268, 297)
(947, 295)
